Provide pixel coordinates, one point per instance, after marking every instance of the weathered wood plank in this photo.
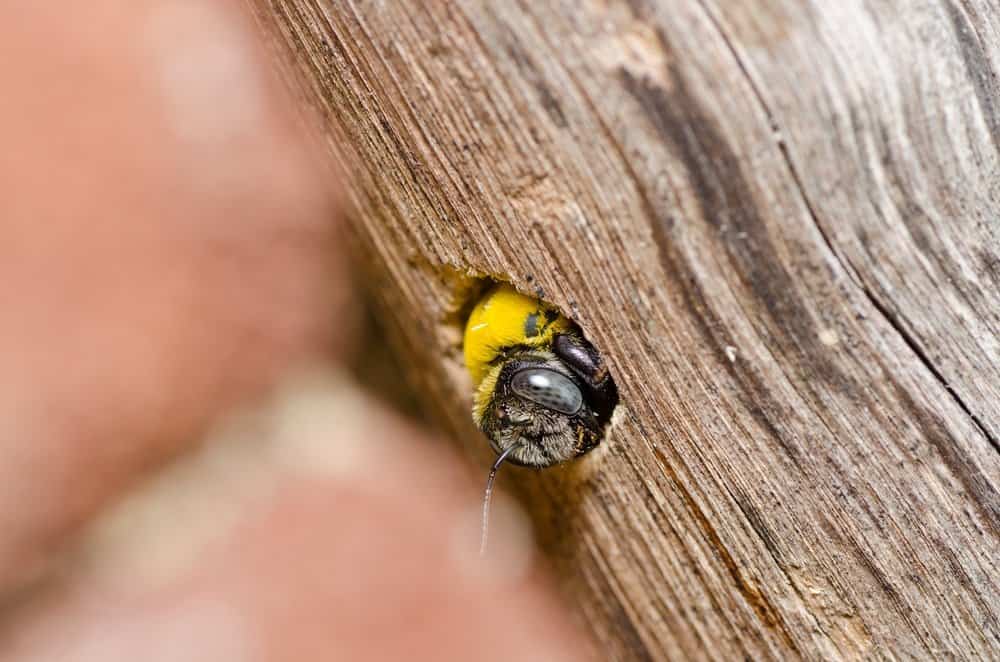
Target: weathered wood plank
(895, 118)
(778, 221)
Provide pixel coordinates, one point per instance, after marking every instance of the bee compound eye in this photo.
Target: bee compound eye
(548, 388)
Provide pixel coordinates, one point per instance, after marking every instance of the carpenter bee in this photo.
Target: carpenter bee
(543, 395)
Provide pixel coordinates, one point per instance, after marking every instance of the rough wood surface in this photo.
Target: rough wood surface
(779, 221)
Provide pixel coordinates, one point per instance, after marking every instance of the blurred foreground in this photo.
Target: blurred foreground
(170, 272)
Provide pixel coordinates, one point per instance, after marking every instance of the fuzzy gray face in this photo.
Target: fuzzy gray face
(546, 437)
(539, 405)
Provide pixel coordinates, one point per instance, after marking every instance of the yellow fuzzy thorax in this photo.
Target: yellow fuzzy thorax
(503, 319)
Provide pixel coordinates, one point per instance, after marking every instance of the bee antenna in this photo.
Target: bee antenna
(489, 493)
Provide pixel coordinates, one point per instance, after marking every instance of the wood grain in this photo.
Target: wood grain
(779, 221)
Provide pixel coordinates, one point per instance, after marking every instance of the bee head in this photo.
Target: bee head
(538, 405)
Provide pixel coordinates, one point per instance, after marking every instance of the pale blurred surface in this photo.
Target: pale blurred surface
(185, 473)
